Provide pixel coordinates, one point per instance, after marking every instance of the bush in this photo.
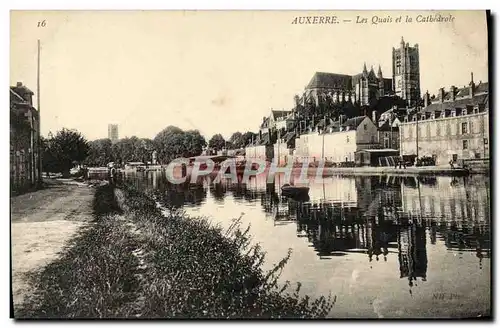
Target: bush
(144, 264)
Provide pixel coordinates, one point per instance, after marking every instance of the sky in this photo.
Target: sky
(217, 71)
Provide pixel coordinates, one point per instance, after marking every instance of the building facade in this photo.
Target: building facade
(24, 140)
(113, 132)
(453, 126)
(406, 73)
(338, 144)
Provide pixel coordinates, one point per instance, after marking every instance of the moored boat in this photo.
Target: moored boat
(293, 191)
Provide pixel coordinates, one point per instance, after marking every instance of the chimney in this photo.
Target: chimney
(453, 92)
(472, 86)
(374, 117)
(19, 84)
(427, 99)
(441, 95)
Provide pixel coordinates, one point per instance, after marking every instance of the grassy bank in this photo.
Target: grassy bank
(134, 262)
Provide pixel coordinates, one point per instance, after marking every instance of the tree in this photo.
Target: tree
(172, 142)
(63, 150)
(217, 142)
(194, 143)
(237, 141)
(100, 152)
(248, 137)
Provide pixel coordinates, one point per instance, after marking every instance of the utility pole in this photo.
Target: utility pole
(417, 131)
(40, 181)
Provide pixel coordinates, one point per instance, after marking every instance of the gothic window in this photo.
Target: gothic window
(465, 144)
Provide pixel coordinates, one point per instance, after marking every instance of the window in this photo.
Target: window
(465, 144)
(365, 126)
(464, 128)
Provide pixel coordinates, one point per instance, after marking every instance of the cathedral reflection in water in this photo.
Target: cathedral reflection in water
(377, 216)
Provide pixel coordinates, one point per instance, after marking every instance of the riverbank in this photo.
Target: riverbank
(385, 170)
(135, 262)
(42, 223)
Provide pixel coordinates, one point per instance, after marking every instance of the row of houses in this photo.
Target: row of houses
(453, 125)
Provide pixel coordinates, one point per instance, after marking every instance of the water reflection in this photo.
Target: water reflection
(379, 218)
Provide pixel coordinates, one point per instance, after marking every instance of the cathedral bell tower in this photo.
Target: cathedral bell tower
(406, 72)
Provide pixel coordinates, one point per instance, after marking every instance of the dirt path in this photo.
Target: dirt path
(42, 223)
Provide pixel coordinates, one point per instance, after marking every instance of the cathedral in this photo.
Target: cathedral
(369, 89)
(362, 89)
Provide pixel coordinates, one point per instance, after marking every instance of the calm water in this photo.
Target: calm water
(384, 246)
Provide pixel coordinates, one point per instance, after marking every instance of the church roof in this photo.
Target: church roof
(330, 81)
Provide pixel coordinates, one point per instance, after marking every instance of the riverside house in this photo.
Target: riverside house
(452, 126)
(24, 140)
(338, 142)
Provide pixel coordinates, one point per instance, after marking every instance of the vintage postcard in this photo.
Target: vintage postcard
(250, 164)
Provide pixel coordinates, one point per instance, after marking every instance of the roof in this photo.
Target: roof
(334, 127)
(264, 140)
(20, 89)
(14, 95)
(354, 122)
(289, 136)
(265, 124)
(280, 113)
(321, 122)
(482, 87)
(385, 150)
(459, 103)
(330, 81)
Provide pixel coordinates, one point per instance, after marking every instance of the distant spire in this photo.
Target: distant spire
(471, 78)
(379, 72)
(371, 69)
(364, 69)
(402, 40)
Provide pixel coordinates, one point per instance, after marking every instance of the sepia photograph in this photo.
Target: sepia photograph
(271, 164)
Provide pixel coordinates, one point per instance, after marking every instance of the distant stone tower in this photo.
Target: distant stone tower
(406, 72)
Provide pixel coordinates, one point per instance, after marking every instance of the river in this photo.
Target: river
(385, 247)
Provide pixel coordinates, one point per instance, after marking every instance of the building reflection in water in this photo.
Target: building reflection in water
(376, 216)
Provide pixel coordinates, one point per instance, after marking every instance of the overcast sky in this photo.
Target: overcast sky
(216, 71)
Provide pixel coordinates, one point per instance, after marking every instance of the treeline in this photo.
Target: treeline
(69, 147)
